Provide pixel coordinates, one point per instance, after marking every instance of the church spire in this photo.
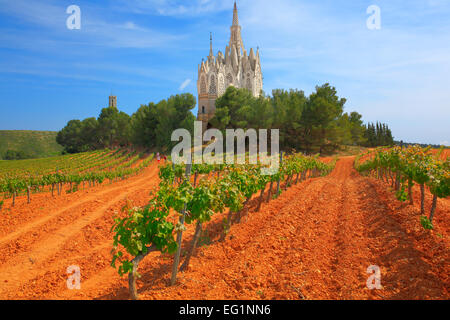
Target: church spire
(211, 53)
(236, 38)
(235, 15)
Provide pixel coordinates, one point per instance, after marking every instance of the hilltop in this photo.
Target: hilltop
(34, 144)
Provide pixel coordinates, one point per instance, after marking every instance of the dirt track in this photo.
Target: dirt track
(314, 242)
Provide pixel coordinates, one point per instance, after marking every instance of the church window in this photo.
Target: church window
(212, 86)
(229, 79)
(221, 85)
(203, 85)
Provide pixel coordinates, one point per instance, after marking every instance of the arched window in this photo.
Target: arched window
(203, 85)
(203, 110)
(212, 85)
(221, 85)
(229, 80)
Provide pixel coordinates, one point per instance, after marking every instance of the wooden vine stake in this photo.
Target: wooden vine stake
(278, 182)
(270, 191)
(176, 261)
(198, 231)
(261, 198)
(28, 194)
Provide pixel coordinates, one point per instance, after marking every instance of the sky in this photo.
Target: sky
(147, 50)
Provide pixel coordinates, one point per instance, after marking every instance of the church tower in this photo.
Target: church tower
(235, 68)
(113, 101)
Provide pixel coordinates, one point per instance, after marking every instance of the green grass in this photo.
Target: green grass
(36, 144)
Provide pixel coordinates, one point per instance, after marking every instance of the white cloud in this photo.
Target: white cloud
(95, 28)
(185, 84)
(130, 25)
(177, 8)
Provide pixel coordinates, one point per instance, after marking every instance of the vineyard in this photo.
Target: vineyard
(402, 168)
(168, 231)
(145, 230)
(53, 174)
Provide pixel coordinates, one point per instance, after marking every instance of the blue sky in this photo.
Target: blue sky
(147, 50)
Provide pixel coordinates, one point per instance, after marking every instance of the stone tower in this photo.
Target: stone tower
(235, 68)
(113, 101)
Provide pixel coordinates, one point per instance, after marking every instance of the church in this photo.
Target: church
(234, 68)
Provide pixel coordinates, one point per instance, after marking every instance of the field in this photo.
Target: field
(315, 241)
(36, 144)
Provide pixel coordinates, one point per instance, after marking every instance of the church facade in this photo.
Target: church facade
(234, 68)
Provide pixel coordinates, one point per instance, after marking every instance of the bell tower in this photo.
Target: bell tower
(112, 101)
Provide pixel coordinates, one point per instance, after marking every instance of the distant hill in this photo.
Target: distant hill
(423, 145)
(34, 144)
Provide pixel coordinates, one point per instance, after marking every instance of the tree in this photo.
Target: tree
(342, 131)
(71, 137)
(15, 155)
(357, 128)
(288, 108)
(123, 134)
(232, 109)
(89, 133)
(108, 126)
(152, 125)
(143, 123)
(378, 135)
(322, 111)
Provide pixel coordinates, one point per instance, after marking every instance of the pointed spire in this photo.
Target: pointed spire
(227, 53)
(258, 59)
(252, 54)
(235, 15)
(210, 45)
(236, 37)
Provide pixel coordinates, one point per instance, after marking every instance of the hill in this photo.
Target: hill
(423, 145)
(34, 144)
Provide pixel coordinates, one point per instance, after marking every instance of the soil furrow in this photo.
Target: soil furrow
(315, 241)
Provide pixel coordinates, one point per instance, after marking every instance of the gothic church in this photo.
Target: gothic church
(219, 72)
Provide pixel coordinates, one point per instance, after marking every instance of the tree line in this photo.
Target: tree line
(378, 135)
(311, 124)
(149, 127)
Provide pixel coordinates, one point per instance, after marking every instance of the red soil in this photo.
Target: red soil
(315, 241)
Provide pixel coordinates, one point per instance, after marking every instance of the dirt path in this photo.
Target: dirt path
(315, 241)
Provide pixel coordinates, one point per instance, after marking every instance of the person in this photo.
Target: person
(157, 156)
